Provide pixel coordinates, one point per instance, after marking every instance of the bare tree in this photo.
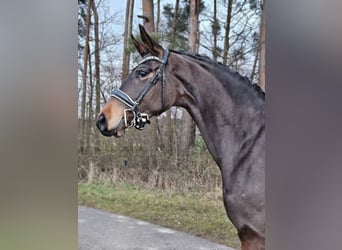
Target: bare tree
(175, 20)
(90, 106)
(256, 58)
(158, 17)
(148, 18)
(169, 124)
(148, 15)
(84, 73)
(97, 73)
(262, 48)
(215, 31)
(189, 127)
(227, 31)
(127, 33)
(194, 14)
(97, 59)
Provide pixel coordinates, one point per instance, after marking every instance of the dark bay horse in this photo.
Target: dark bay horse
(228, 110)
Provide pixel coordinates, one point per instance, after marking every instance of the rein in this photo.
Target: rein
(140, 119)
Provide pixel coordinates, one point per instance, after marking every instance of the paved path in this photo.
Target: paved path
(106, 231)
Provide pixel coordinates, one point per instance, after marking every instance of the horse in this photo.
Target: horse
(228, 110)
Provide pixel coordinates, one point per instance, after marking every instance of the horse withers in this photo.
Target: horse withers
(226, 107)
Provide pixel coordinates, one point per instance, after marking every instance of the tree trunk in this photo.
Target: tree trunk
(158, 17)
(256, 58)
(175, 20)
(97, 75)
(168, 141)
(215, 30)
(194, 46)
(148, 15)
(227, 31)
(90, 107)
(193, 37)
(126, 53)
(169, 123)
(130, 25)
(97, 59)
(262, 48)
(84, 76)
(189, 127)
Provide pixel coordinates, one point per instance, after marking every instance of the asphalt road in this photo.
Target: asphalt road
(102, 230)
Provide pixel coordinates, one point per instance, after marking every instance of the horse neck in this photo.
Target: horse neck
(227, 114)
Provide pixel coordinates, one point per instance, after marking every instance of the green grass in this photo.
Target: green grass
(195, 213)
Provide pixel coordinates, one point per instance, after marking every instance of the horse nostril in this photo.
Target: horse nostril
(101, 122)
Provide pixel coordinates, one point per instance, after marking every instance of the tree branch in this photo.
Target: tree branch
(143, 17)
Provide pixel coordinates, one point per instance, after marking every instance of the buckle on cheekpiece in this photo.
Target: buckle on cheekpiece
(139, 119)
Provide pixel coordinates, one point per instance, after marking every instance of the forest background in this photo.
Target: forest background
(170, 153)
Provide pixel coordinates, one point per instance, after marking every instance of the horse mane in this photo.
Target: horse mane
(208, 60)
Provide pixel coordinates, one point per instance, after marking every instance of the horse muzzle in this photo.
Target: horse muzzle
(102, 125)
(130, 119)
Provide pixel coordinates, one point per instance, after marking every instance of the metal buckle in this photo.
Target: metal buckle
(125, 118)
(141, 120)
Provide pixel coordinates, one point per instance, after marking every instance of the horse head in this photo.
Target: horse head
(142, 94)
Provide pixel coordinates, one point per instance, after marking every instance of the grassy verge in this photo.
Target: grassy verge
(198, 214)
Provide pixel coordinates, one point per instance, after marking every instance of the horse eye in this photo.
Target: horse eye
(142, 73)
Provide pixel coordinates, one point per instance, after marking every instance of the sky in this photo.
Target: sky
(119, 7)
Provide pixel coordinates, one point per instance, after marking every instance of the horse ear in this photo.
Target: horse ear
(141, 48)
(154, 47)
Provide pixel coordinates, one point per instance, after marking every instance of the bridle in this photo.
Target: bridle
(140, 119)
